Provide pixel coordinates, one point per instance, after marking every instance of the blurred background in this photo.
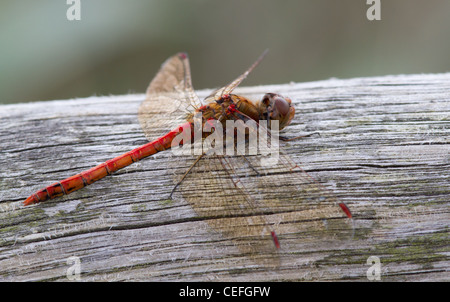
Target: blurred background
(118, 46)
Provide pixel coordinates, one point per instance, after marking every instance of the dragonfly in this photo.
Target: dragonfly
(246, 200)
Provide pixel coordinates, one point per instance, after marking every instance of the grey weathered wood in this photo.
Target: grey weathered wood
(383, 149)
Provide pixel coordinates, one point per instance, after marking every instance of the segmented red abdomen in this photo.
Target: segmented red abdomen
(87, 177)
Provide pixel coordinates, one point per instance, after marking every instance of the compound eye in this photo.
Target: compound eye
(281, 106)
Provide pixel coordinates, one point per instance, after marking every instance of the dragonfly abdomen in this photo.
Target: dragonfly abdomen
(90, 176)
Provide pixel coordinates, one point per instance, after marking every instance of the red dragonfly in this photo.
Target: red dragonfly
(246, 200)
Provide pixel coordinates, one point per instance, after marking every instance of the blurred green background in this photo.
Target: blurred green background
(117, 46)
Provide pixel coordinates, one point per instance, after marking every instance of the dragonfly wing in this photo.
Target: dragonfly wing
(300, 203)
(169, 98)
(247, 198)
(217, 94)
(212, 189)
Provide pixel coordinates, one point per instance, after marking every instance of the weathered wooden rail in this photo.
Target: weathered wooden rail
(383, 148)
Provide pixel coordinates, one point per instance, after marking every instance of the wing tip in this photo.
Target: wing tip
(346, 210)
(275, 239)
(182, 55)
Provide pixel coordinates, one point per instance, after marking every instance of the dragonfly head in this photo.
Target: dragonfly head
(276, 107)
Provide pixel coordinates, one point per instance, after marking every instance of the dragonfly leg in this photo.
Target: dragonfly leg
(251, 166)
(287, 139)
(185, 174)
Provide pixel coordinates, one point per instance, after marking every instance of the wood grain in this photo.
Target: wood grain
(383, 148)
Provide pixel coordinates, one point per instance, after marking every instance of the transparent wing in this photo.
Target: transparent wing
(169, 98)
(213, 191)
(245, 198)
(283, 187)
(217, 94)
(300, 203)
